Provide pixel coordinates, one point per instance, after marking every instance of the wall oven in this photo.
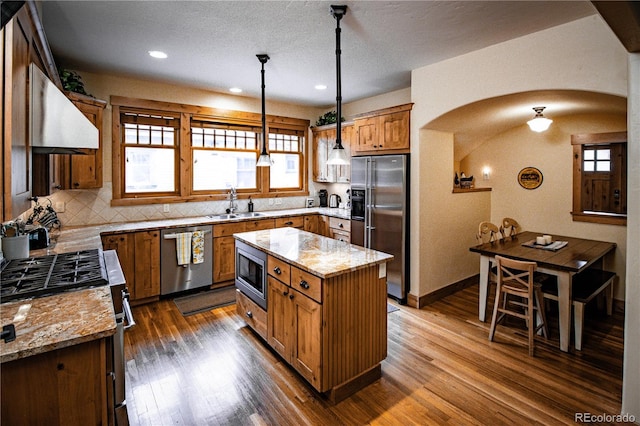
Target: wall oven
(251, 273)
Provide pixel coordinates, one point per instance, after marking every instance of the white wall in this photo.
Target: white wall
(631, 367)
(580, 55)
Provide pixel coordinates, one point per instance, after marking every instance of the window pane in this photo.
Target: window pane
(589, 154)
(285, 171)
(149, 170)
(604, 154)
(603, 166)
(589, 166)
(219, 170)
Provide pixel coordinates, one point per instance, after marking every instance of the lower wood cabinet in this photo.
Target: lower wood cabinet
(67, 386)
(294, 324)
(253, 314)
(139, 255)
(340, 229)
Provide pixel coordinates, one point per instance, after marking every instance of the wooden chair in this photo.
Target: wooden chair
(515, 278)
(585, 286)
(487, 232)
(509, 227)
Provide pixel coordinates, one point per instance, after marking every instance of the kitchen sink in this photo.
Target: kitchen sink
(251, 214)
(222, 216)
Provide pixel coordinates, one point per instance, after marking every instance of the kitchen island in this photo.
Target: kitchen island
(326, 307)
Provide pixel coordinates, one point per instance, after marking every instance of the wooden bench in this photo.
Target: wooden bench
(585, 287)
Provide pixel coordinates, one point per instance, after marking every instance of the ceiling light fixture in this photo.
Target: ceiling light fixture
(539, 123)
(320, 87)
(157, 54)
(235, 90)
(338, 155)
(264, 160)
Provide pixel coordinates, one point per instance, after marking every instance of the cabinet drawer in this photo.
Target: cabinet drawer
(294, 222)
(257, 225)
(306, 283)
(341, 235)
(228, 229)
(279, 269)
(252, 314)
(341, 224)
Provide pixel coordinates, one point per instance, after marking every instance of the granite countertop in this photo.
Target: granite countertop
(322, 256)
(48, 323)
(88, 237)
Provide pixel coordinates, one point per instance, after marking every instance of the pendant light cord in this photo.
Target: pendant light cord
(338, 12)
(263, 59)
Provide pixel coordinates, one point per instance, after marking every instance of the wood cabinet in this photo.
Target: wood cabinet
(139, 255)
(23, 42)
(324, 139)
(294, 324)
(85, 171)
(66, 386)
(253, 314)
(224, 246)
(340, 229)
(383, 131)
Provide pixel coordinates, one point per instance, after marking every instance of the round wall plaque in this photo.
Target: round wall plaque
(530, 178)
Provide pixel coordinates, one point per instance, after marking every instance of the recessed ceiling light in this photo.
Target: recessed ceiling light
(320, 86)
(235, 90)
(157, 54)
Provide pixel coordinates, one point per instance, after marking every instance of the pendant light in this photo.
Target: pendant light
(338, 155)
(264, 160)
(539, 123)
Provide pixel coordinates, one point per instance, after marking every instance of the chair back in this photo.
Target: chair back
(516, 276)
(487, 232)
(509, 227)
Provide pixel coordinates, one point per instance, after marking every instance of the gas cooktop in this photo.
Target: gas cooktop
(46, 275)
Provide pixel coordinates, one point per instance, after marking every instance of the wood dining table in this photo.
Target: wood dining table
(576, 256)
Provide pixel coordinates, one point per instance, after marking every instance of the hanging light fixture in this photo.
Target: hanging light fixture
(338, 155)
(264, 160)
(539, 123)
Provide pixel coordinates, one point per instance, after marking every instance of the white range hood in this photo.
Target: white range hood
(57, 125)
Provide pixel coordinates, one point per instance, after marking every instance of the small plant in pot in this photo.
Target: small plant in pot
(328, 118)
(72, 81)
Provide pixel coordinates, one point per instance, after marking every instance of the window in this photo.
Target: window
(285, 150)
(600, 178)
(224, 156)
(165, 152)
(150, 147)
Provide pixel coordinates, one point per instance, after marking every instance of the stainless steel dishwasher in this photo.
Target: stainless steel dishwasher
(174, 277)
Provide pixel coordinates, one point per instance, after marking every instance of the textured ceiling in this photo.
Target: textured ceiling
(212, 44)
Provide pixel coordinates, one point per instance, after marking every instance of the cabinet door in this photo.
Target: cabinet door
(279, 318)
(366, 134)
(147, 264)
(306, 342)
(311, 223)
(86, 170)
(394, 131)
(323, 141)
(124, 245)
(224, 259)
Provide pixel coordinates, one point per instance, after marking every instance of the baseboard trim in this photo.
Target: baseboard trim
(445, 291)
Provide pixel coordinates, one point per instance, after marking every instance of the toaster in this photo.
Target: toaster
(38, 238)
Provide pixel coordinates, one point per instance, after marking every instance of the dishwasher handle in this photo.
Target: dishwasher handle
(128, 315)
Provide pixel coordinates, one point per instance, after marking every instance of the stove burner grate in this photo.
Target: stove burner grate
(46, 275)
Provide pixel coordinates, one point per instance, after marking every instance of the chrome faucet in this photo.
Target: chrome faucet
(233, 196)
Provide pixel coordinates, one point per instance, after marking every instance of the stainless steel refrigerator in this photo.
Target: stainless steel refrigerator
(380, 214)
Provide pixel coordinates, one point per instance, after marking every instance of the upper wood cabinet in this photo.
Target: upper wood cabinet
(382, 131)
(23, 42)
(324, 139)
(85, 171)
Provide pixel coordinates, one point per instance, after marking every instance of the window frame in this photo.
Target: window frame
(187, 114)
(593, 139)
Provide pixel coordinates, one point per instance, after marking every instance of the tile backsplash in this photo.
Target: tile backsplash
(93, 207)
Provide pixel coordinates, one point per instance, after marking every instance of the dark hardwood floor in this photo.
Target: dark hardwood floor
(210, 369)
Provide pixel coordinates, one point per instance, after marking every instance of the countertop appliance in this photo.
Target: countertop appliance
(334, 200)
(38, 238)
(323, 197)
(379, 214)
(57, 273)
(174, 277)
